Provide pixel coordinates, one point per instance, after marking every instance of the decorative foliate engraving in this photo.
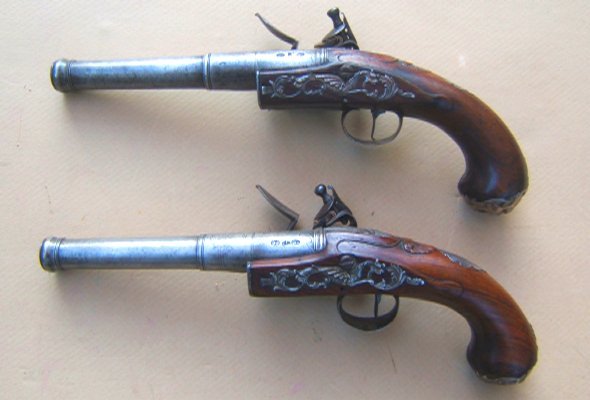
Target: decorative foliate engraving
(412, 247)
(495, 206)
(358, 82)
(349, 273)
(455, 259)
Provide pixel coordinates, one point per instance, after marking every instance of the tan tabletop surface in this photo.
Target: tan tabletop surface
(184, 162)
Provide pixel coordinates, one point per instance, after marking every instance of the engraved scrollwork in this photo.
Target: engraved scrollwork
(363, 82)
(455, 259)
(412, 247)
(349, 273)
(495, 206)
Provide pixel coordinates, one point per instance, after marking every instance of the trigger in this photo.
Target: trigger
(375, 113)
(369, 323)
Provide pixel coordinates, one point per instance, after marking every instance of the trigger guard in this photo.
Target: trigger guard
(375, 113)
(367, 323)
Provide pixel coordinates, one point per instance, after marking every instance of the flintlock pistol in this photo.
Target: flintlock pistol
(334, 261)
(336, 75)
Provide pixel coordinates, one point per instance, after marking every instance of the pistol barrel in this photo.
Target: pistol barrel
(226, 252)
(231, 71)
(162, 253)
(158, 73)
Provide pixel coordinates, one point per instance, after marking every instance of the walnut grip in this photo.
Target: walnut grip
(503, 347)
(495, 176)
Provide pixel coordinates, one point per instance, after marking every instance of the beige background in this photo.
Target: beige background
(173, 162)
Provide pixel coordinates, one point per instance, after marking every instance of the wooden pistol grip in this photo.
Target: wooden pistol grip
(503, 347)
(495, 176)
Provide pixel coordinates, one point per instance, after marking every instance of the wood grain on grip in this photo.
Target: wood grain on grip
(503, 347)
(495, 177)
